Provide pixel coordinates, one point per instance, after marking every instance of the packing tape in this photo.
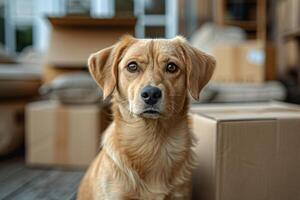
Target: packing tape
(61, 138)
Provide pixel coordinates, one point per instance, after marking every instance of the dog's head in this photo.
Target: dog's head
(151, 77)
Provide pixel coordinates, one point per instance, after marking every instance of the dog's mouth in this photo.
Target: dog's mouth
(151, 113)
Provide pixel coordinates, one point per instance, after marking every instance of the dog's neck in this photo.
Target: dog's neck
(143, 140)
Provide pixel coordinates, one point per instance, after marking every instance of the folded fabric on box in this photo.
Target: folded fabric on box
(19, 80)
(243, 92)
(211, 35)
(75, 88)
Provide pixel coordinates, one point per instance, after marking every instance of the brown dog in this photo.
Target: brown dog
(147, 150)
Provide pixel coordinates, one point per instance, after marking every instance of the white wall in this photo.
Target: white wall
(42, 28)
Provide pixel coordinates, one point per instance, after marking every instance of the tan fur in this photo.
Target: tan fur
(145, 158)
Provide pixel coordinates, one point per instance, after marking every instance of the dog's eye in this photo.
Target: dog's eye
(132, 67)
(171, 67)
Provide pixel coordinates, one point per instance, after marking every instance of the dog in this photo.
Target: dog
(147, 151)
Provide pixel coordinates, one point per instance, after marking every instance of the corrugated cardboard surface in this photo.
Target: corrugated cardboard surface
(247, 154)
(63, 135)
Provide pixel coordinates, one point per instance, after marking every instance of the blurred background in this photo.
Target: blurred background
(48, 99)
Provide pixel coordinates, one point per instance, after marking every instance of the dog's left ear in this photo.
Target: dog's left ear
(200, 67)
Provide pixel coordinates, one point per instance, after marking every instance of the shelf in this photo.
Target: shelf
(248, 25)
(294, 34)
(79, 21)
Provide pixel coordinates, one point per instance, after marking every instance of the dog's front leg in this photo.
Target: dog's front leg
(180, 192)
(114, 196)
(113, 191)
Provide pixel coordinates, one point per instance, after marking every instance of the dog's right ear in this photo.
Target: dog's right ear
(101, 68)
(103, 65)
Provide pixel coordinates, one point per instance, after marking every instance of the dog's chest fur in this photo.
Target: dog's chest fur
(157, 155)
(164, 166)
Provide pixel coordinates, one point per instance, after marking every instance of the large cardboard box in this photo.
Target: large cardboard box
(240, 62)
(247, 152)
(63, 135)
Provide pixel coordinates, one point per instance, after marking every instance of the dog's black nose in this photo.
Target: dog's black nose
(151, 95)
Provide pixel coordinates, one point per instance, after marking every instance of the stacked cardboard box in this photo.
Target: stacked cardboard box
(247, 152)
(73, 39)
(240, 62)
(63, 135)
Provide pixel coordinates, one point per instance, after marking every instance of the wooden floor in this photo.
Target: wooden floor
(19, 182)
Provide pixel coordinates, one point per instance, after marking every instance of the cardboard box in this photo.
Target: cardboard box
(247, 152)
(63, 135)
(241, 62)
(74, 38)
(226, 63)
